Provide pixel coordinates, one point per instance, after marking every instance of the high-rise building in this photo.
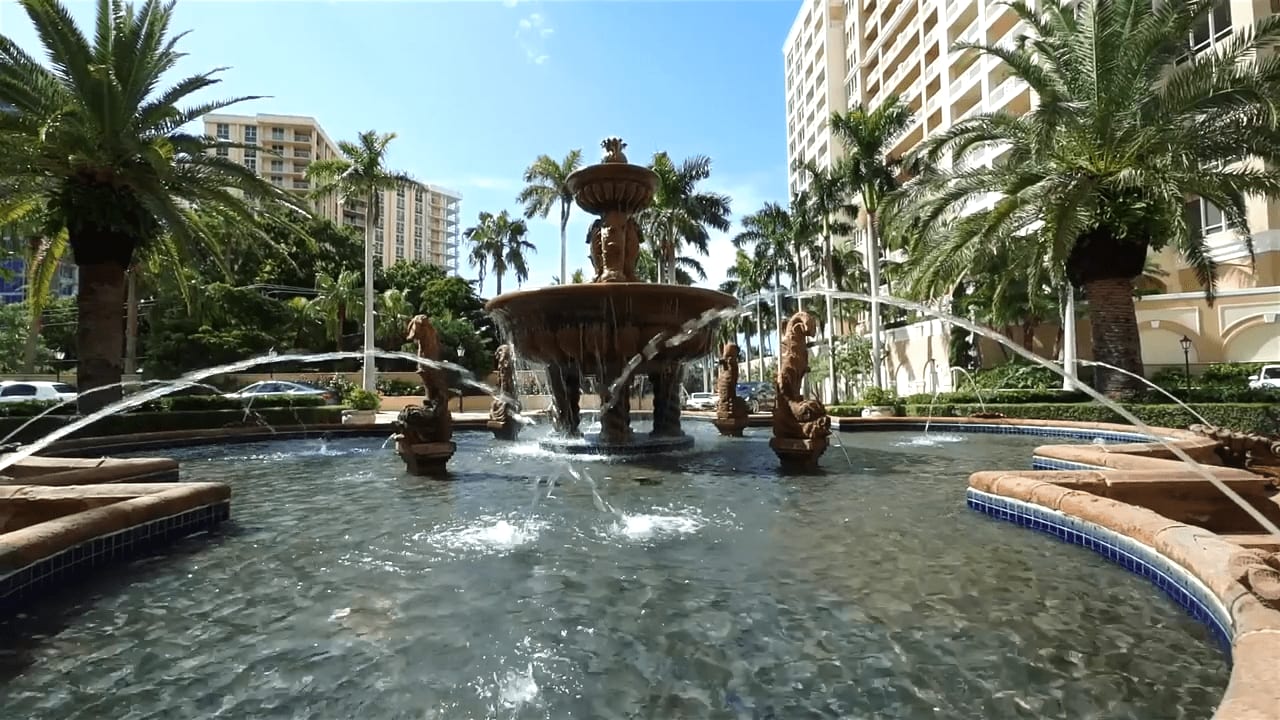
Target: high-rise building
(422, 221)
(843, 52)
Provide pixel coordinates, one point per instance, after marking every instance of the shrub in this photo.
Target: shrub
(399, 388)
(1247, 417)
(340, 386)
(139, 422)
(363, 400)
(1229, 374)
(879, 396)
(31, 408)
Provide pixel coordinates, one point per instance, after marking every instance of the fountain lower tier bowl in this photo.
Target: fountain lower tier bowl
(639, 445)
(605, 325)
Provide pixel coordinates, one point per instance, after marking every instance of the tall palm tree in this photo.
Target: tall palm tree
(361, 175)
(828, 201)
(769, 232)
(682, 214)
(547, 184)
(1129, 124)
(688, 269)
(337, 300)
(746, 277)
(871, 174)
(498, 242)
(103, 155)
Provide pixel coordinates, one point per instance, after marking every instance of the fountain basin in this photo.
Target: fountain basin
(606, 325)
(613, 186)
(637, 446)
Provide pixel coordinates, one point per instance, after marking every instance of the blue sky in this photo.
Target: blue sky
(476, 90)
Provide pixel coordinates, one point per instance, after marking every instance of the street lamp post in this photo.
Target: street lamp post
(1185, 342)
(462, 353)
(58, 355)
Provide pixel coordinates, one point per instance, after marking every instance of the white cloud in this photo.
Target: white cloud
(532, 33)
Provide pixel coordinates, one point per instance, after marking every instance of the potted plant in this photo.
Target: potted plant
(879, 402)
(363, 408)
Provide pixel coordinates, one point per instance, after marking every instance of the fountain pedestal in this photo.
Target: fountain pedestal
(502, 420)
(429, 459)
(732, 413)
(798, 454)
(615, 328)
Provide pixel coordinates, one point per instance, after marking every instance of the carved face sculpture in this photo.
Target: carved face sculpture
(809, 323)
(504, 358)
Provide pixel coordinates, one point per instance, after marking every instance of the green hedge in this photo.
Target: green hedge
(1248, 417)
(147, 422)
(1236, 394)
(179, 403)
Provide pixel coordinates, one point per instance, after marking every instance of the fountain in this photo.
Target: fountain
(506, 406)
(424, 433)
(602, 327)
(800, 426)
(731, 411)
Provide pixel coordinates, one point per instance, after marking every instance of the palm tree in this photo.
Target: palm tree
(1129, 125)
(745, 278)
(688, 269)
(361, 175)
(769, 232)
(681, 214)
(498, 242)
(99, 148)
(393, 314)
(871, 175)
(548, 184)
(827, 196)
(336, 301)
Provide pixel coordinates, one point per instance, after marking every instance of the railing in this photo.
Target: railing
(966, 77)
(304, 154)
(300, 137)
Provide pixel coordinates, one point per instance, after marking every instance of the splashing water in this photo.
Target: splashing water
(1110, 404)
(972, 383)
(194, 378)
(72, 401)
(1150, 384)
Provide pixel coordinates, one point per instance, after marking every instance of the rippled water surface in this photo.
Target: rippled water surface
(695, 586)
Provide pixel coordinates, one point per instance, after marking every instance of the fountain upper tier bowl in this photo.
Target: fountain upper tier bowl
(613, 186)
(605, 325)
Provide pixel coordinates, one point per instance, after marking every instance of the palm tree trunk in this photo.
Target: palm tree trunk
(131, 323)
(337, 333)
(873, 272)
(498, 280)
(100, 309)
(1114, 321)
(31, 345)
(828, 279)
(564, 242)
(368, 378)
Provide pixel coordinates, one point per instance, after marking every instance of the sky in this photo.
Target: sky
(476, 89)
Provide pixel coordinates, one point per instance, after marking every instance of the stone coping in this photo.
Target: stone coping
(103, 524)
(88, 471)
(1188, 562)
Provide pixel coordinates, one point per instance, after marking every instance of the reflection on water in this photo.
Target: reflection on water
(701, 585)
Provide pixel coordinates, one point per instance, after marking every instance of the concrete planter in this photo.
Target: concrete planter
(879, 411)
(359, 417)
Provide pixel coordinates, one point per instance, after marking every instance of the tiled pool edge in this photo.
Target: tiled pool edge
(24, 583)
(1176, 581)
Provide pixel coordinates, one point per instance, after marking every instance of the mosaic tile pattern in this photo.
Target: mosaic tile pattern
(1039, 462)
(26, 583)
(1175, 580)
(999, 429)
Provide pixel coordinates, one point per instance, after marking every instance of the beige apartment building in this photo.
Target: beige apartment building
(419, 223)
(842, 52)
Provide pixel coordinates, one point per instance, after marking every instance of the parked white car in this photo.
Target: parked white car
(1268, 377)
(283, 387)
(701, 401)
(13, 391)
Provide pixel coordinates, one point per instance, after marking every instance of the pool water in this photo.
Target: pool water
(700, 585)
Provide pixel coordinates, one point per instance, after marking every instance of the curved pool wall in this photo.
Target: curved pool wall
(1185, 561)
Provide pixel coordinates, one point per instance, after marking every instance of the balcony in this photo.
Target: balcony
(302, 137)
(303, 154)
(966, 78)
(301, 185)
(1003, 92)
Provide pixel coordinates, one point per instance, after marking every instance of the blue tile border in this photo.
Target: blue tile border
(1114, 436)
(1039, 462)
(1176, 581)
(24, 584)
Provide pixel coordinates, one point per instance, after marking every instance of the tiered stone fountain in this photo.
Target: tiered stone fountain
(598, 328)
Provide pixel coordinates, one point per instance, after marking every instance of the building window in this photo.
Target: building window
(224, 131)
(1212, 26)
(417, 251)
(277, 180)
(277, 166)
(377, 235)
(222, 151)
(251, 152)
(1205, 218)
(399, 252)
(400, 229)
(251, 163)
(400, 215)
(277, 133)
(277, 149)
(400, 192)
(300, 168)
(379, 249)
(251, 133)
